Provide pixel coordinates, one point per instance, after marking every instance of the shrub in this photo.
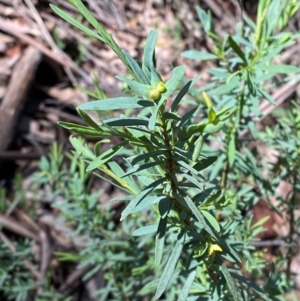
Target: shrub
(194, 194)
(186, 179)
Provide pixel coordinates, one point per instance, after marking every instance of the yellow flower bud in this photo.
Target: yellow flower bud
(154, 94)
(161, 87)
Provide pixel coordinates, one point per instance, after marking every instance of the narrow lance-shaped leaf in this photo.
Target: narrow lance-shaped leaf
(90, 18)
(193, 179)
(81, 129)
(199, 55)
(155, 77)
(175, 80)
(106, 37)
(187, 285)
(252, 285)
(145, 230)
(236, 48)
(141, 167)
(230, 282)
(198, 148)
(198, 215)
(125, 122)
(170, 267)
(74, 22)
(160, 240)
(106, 156)
(180, 95)
(147, 201)
(81, 149)
(145, 156)
(130, 207)
(136, 68)
(211, 219)
(205, 19)
(148, 63)
(88, 119)
(279, 68)
(119, 103)
(138, 88)
(118, 171)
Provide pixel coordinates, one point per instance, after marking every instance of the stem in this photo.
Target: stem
(290, 211)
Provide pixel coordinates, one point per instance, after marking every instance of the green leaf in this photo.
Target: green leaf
(266, 95)
(188, 167)
(205, 19)
(176, 78)
(180, 95)
(205, 162)
(273, 15)
(81, 149)
(199, 55)
(211, 220)
(88, 119)
(130, 207)
(148, 60)
(227, 87)
(145, 230)
(81, 129)
(142, 157)
(171, 115)
(149, 287)
(279, 68)
(211, 199)
(119, 103)
(138, 88)
(251, 284)
(214, 127)
(117, 170)
(148, 201)
(90, 18)
(125, 122)
(198, 148)
(160, 240)
(198, 215)
(136, 68)
(74, 22)
(164, 207)
(230, 282)
(197, 128)
(193, 179)
(187, 286)
(152, 121)
(106, 156)
(169, 269)
(155, 78)
(236, 48)
(138, 168)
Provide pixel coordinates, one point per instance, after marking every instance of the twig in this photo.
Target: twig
(13, 102)
(43, 238)
(48, 38)
(64, 61)
(73, 277)
(13, 225)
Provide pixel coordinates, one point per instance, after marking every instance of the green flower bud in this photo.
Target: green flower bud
(161, 87)
(154, 94)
